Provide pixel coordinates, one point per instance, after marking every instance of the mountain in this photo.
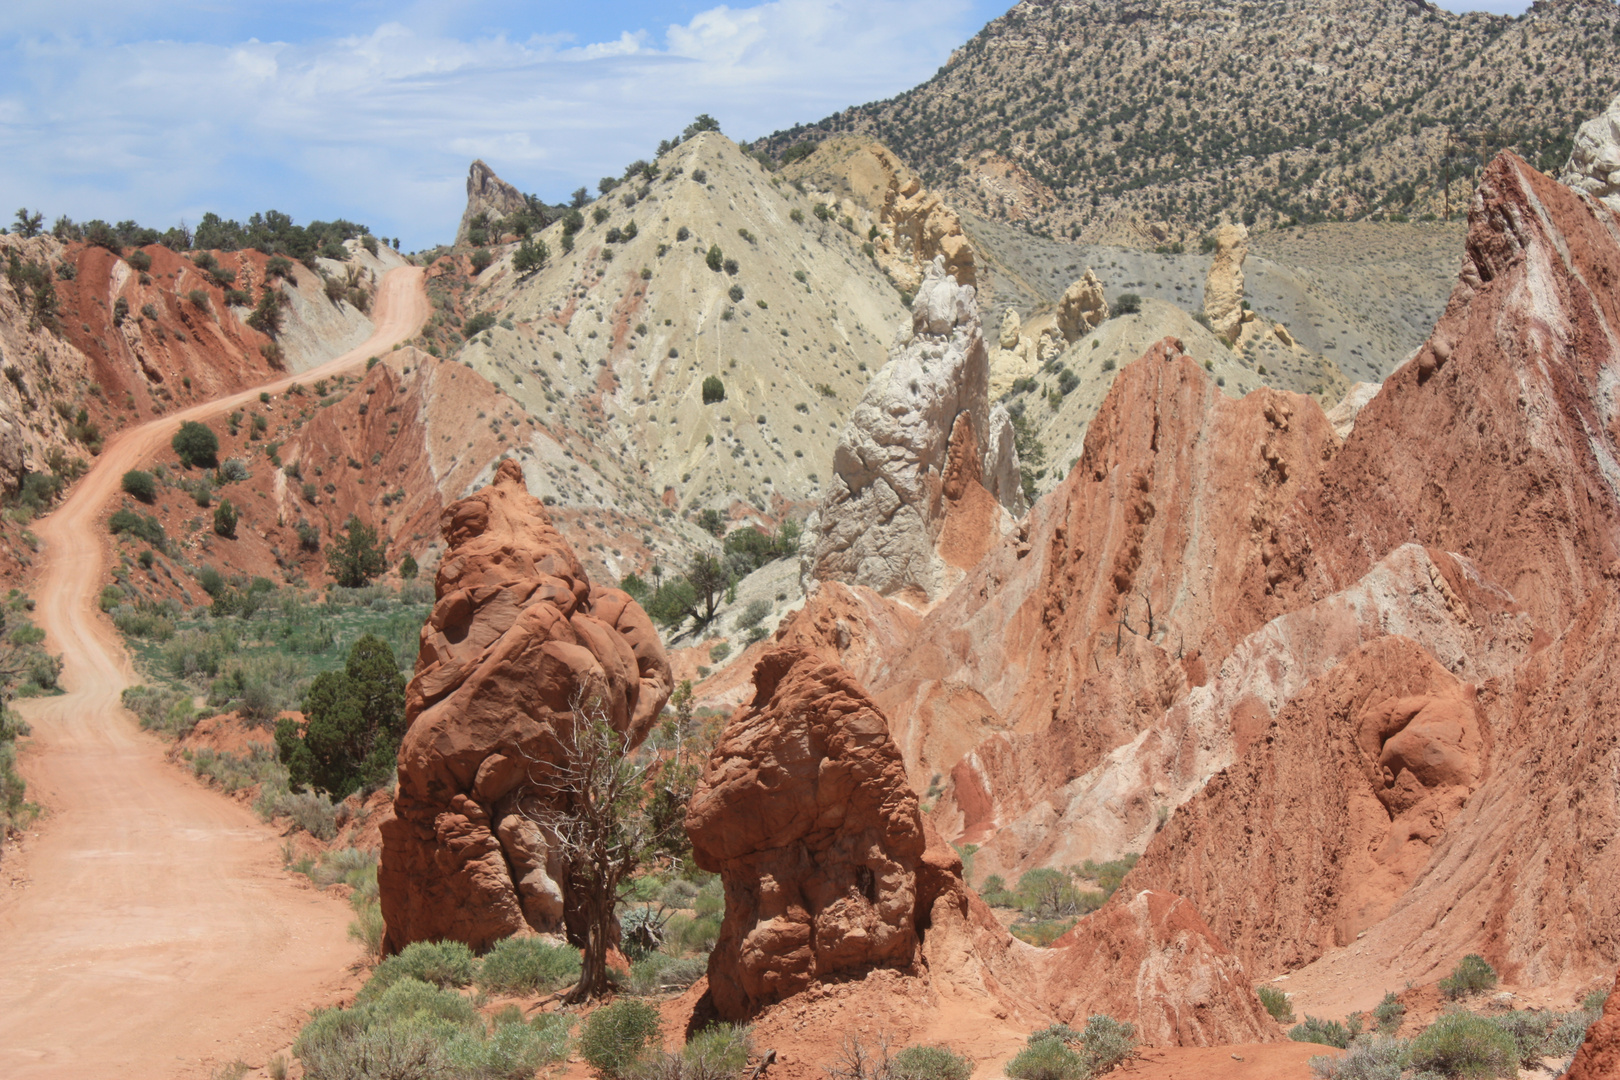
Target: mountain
(1151, 120)
(698, 341)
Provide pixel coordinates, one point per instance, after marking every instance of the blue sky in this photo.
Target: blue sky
(159, 110)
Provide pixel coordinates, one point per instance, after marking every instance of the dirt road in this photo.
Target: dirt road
(154, 933)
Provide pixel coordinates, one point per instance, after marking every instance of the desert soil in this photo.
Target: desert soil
(148, 929)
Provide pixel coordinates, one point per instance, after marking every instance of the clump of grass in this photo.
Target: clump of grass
(1472, 975)
(660, 973)
(718, 1052)
(1277, 1004)
(1326, 1032)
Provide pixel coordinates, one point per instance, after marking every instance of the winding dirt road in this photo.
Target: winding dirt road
(153, 932)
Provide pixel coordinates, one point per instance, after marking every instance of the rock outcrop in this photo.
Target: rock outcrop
(831, 871)
(1333, 813)
(914, 224)
(1594, 163)
(1599, 1055)
(1343, 415)
(1083, 308)
(926, 467)
(805, 813)
(488, 197)
(1223, 286)
(518, 637)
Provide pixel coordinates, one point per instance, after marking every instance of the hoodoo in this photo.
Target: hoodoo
(518, 639)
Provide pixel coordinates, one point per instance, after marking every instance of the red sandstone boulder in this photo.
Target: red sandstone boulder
(517, 638)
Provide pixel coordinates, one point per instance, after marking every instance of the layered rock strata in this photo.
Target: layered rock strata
(517, 640)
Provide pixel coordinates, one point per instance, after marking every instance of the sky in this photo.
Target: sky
(160, 110)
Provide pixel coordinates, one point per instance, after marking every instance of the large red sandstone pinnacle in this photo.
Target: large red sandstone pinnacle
(805, 812)
(517, 635)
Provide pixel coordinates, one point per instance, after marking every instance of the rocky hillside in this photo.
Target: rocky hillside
(704, 332)
(1148, 121)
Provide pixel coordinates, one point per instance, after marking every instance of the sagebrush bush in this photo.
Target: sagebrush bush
(617, 1036)
(1460, 1044)
(930, 1063)
(718, 1052)
(527, 966)
(1472, 975)
(439, 963)
(1376, 1057)
(414, 1030)
(1048, 1059)
(1276, 1003)
(1108, 1043)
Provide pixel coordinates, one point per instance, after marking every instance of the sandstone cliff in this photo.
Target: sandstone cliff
(517, 635)
(913, 225)
(926, 467)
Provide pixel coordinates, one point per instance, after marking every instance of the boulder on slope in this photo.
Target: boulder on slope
(1082, 308)
(517, 638)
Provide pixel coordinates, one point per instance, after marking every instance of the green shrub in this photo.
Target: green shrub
(714, 391)
(225, 518)
(1530, 1032)
(140, 484)
(143, 526)
(1047, 1059)
(1389, 1013)
(527, 966)
(441, 963)
(477, 324)
(195, 444)
(930, 1063)
(1326, 1032)
(1276, 1003)
(1472, 975)
(1041, 933)
(1460, 1044)
(418, 1031)
(616, 1036)
(711, 899)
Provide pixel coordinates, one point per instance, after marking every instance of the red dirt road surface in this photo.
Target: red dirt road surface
(149, 930)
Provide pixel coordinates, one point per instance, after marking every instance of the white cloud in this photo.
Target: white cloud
(379, 127)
